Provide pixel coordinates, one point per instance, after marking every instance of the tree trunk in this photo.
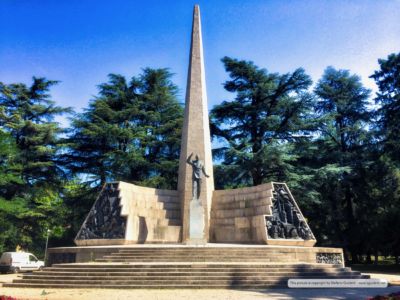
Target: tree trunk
(256, 173)
(376, 257)
(354, 257)
(368, 258)
(102, 177)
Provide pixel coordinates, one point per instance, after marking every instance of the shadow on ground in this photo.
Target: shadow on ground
(281, 291)
(321, 294)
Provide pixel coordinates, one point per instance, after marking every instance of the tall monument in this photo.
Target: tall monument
(196, 182)
(195, 213)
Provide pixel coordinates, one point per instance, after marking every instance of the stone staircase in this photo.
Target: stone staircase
(196, 267)
(198, 254)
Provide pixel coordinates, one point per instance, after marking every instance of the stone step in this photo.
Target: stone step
(211, 246)
(164, 280)
(184, 273)
(161, 261)
(211, 258)
(241, 248)
(149, 286)
(246, 251)
(197, 266)
(189, 271)
(195, 258)
(206, 255)
(182, 276)
(177, 266)
(205, 272)
(183, 254)
(201, 258)
(219, 253)
(170, 223)
(210, 253)
(188, 266)
(177, 275)
(169, 205)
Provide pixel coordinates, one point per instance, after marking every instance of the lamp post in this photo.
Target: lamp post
(47, 243)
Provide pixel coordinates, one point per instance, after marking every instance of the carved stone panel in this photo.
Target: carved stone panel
(329, 258)
(104, 220)
(286, 221)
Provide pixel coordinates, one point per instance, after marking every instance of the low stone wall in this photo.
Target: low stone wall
(237, 215)
(78, 254)
(275, 254)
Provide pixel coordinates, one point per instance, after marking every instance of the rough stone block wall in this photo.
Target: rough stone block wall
(237, 215)
(151, 216)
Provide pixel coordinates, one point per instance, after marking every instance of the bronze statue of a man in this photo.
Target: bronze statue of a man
(198, 168)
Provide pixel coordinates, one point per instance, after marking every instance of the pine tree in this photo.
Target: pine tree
(105, 130)
(27, 116)
(268, 111)
(130, 132)
(387, 189)
(342, 148)
(161, 121)
(388, 97)
(10, 204)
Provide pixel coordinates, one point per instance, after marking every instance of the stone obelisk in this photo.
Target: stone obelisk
(196, 181)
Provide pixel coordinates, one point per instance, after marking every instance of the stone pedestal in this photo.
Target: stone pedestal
(196, 223)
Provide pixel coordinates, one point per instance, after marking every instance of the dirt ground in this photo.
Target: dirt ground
(196, 294)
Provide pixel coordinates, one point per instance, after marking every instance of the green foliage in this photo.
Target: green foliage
(10, 170)
(49, 180)
(9, 177)
(269, 109)
(340, 158)
(28, 115)
(388, 81)
(31, 179)
(131, 131)
(324, 146)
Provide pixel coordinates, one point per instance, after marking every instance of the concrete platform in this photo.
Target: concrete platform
(208, 252)
(188, 276)
(227, 266)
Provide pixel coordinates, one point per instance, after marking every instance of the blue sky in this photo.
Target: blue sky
(79, 42)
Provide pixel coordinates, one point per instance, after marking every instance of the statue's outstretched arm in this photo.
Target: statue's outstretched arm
(189, 159)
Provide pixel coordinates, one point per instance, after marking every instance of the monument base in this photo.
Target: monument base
(196, 242)
(196, 224)
(184, 266)
(192, 252)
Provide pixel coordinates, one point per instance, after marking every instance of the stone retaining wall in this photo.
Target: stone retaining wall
(152, 216)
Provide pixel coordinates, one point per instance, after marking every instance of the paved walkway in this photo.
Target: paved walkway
(281, 294)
